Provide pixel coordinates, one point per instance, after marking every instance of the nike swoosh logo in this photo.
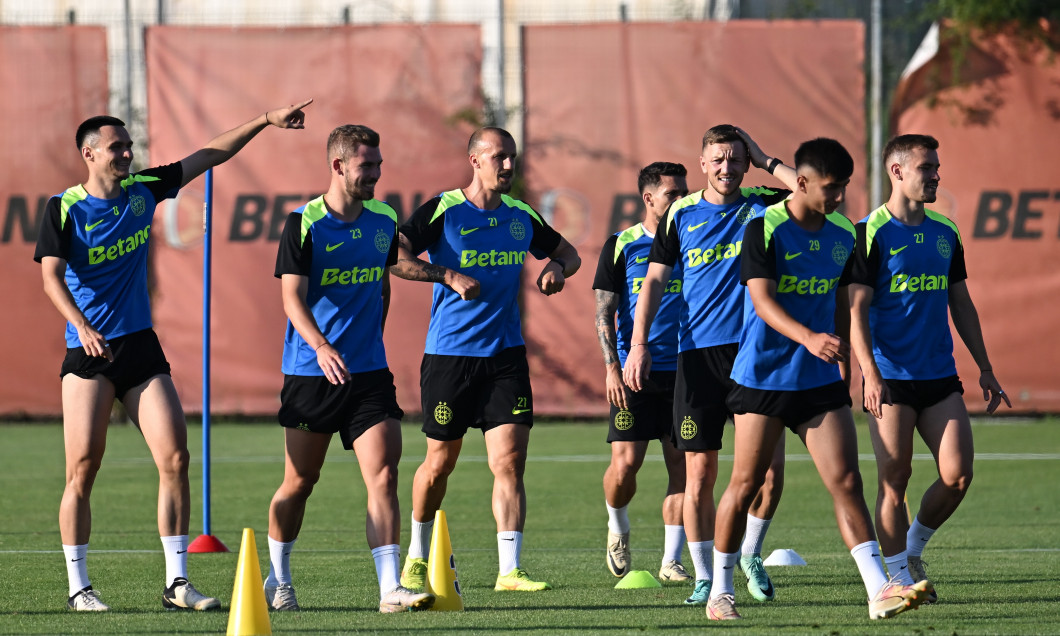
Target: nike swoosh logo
(875, 555)
(332, 248)
(768, 591)
(181, 551)
(788, 255)
(520, 411)
(506, 539)
(642, 259)
(895, 251)
(464, 232)
(89, 228)
(76, 560)
(693, 228)
(727, 567)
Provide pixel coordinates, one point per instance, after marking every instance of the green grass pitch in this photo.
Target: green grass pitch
(996, 564)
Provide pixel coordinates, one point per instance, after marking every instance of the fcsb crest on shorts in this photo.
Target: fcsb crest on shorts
(517, 229)
(943, 246)
(382, 241)
(624, 420)
(840, 253)
(688, 428)
(443, 414)
(137, 205)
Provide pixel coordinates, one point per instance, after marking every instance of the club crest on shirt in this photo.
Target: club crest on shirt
(943, 246)
(382, 241)
(840, 253)
(137, 205)
(517, 229)
(745, 214)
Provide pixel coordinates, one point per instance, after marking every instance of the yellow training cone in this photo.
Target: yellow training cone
(442, 580)
(249, 615)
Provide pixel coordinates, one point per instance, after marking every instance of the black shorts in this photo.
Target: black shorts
(311, 403)
(702, 385)
(462, 392)
(650, 413)
(920, 394)
(794, 408)
(138, 357)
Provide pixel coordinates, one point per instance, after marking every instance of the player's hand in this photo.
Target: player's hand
(759, 159)
(332, 364)
(94, 343)
(551, 279)
(467, 287)
(288, 116)
(876, 394)
(616, 388)
(638, 365)
(828, 347)
(992, 391)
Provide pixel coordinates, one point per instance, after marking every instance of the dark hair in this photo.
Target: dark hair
(476, 137)
(651, 175)
(344, 140)
(827, 156)
(899, 147)
(89, 129)
(721, 134)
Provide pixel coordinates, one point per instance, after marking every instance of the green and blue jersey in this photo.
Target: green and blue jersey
(707, 239)
(807, 267)
(489, 246)
(910, 269)
(105, 243)
(622, 268)
(345, 264)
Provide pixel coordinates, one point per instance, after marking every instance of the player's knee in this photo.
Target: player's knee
(301, 484)
(958, 480)
(508, 465)
(175, 464)
(848, 483)
(81, 474)
(895, 475)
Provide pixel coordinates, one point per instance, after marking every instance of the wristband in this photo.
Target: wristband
(639, 344)
(321, 345)
(772, 165)
(562, 264)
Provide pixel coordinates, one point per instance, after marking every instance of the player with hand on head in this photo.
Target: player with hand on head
(703, 232)
(638, 418)
(332, 263)
(793, 370)
(908, 271)
(92, 247)
(475, 372)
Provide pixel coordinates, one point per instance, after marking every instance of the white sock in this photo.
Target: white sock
(509, 547)
(617, 519)
(724, 564)
(917, 537)
(76, 567)
(176, 551)
(701, 552)
(420, 545)
(673, 543)
(386, 567)
(279, 561)
(898, 565)
(754, 535)
(867, 556)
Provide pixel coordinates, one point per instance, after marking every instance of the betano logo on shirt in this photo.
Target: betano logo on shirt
(474, 258)
(672, 287)
(925, 282)
(355, 276)
(97, 255)
(719, 252)
(806, 286)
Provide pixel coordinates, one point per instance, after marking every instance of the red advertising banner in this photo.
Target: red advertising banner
(998, 123)
(604, 100)
(414, 84)
(54, 78)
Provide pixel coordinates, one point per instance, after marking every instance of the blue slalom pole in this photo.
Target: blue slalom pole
(207, 542)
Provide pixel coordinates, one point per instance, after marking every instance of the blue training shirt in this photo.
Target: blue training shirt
(346, 264)
(808, 267)
(708, 239)
(105, 243)
(489, 246)
(910, 269)
(622, 267)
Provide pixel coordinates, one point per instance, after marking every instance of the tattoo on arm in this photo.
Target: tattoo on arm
(606, 304)
(418, 270)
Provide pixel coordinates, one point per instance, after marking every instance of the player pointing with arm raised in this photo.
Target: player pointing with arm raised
(93, 248)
